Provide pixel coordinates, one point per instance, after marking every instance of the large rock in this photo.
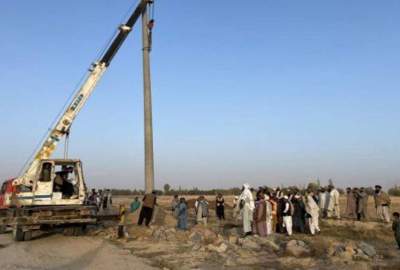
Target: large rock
(171, 234)
(220, 239)
(269, 243)
(297, 248)
(360, 255)
(196, 247)
(249, 243)
(209, 235)
(345, 252)
(201, 233)
(196, 237)
(233, 239)
(159, 234)
(220, 249)
(367, 249)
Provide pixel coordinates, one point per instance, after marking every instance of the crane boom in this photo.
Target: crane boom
(64, 122)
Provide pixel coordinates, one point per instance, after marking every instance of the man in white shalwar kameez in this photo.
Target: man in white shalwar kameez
(268, 206)
(323, 199)
(334, 207)
(246, 201)
(313, 210)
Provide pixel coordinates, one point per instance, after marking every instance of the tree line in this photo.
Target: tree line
(168, 190)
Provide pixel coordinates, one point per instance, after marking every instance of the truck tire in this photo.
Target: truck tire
(2, 229)
(18, 234)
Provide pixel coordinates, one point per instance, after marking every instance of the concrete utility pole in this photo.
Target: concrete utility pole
(148, 118)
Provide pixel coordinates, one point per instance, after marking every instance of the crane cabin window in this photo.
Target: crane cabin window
(66, 180)
(45, 175)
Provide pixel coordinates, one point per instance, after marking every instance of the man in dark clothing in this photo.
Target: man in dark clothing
(146, 213)
(220, 207)
(279, 222)
(299, 214)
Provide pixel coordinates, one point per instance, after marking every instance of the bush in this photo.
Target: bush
(394, 191)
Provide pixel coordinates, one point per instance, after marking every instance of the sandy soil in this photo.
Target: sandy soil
(64, 253)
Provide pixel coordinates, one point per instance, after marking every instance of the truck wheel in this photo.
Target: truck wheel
(18, 234)
(2, 229)
(28, 236)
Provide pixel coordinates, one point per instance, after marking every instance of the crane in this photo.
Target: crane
(36, 184)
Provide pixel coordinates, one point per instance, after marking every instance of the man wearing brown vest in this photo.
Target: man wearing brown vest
(146, 213)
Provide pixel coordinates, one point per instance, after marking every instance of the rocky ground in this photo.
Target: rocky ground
(343, 244)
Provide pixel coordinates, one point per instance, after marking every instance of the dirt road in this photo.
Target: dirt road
(61, 252)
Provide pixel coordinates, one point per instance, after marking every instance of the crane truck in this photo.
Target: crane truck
(52, 192)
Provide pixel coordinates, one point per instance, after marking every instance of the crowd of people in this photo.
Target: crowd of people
(101, 198)
(266, 211)
(357, 203)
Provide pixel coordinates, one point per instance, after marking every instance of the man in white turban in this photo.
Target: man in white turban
(246, 204)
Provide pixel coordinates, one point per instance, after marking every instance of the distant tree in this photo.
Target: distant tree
(167, 188)
(158, 192)
(394, 191)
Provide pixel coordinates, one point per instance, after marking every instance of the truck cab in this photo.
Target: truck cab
(57, 182)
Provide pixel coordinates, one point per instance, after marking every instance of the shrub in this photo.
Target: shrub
(394, 191)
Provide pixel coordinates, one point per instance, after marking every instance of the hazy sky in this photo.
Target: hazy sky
(265, 92)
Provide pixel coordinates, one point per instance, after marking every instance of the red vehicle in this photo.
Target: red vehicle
(6, 193)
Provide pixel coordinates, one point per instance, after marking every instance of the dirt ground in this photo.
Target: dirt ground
(66, 253)
(162, 247)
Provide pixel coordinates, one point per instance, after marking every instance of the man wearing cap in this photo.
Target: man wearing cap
(286, 213)
(382, 204)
